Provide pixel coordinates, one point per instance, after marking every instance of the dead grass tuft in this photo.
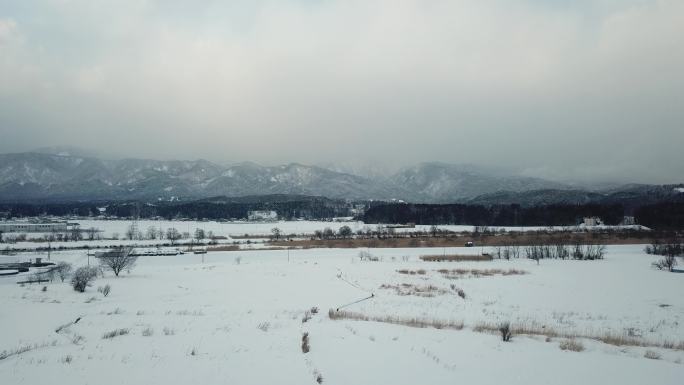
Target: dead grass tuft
(412, 272)
(115, 333)
(405, 321)
(305, 343)
(455, 258)
(572, 345)
(651, 355)
(478, 273)
(420, 291)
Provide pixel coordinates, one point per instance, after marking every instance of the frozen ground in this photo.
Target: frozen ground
(241, 323)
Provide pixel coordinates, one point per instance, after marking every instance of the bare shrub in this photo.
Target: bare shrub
(119, 259)
(264, 326)
(652, 355)
(148, 332)
(572, 345)
(77, 339)
(667, 263)
(461, 293)
(305, 343)
(115, 333)
(104, 290)
(168, 331)
(83, 277)
(63, 270)
(505, 330)
(67, 359)
(366, 256)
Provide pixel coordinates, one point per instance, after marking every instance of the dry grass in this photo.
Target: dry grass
(457, 240)
(305, 343)
(532, 329)
(478, 273)
(224, 248)
(419, 291)
(609, 338)
(264, 326)
(455, 258)
(411, 272)
(650, 354)
(115, 333)
(24, 348)
(405, 321)
(572, 345)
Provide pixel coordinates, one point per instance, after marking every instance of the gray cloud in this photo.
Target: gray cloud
(586, 91)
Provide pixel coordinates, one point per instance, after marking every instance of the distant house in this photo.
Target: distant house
(627, 221)
(30, 227)
(262, 215)
(592, 221)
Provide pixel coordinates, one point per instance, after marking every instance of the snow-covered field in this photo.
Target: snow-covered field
(241, 323)
(117, 229)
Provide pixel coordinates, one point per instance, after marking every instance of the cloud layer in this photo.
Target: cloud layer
(586, 91)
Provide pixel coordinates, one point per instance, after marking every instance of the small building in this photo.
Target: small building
(262, 215)
(592, 221)
(628, 221)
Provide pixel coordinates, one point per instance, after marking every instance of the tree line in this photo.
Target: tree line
(498, 215)
(306, 208)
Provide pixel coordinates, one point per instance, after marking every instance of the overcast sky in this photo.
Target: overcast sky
(582, 90)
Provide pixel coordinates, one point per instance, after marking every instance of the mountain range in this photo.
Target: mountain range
(64, 176)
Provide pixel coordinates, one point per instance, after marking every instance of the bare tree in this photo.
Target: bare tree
(276, 233)
(92, 232)
(118, 260)
(132, 232)
(76, 234)
(172, 235)
(199, 235)
(151, 232)
(63, 269)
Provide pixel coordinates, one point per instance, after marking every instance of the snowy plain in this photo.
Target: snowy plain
(236, 317)
(109, 229)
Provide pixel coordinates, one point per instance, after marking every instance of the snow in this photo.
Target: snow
(299, 227)
(109, 228)
(241, 323)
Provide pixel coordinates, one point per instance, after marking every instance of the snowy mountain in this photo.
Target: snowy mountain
(55, 177)
(33, 176)
(441, 182)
